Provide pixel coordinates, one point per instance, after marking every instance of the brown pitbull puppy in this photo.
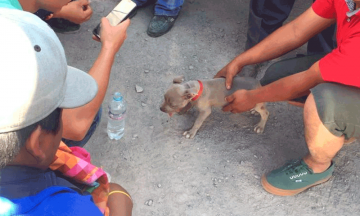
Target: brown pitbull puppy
(204, 94)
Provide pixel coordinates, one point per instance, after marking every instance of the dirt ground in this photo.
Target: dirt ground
(218, 172)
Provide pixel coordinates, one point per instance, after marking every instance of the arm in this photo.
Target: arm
(119, 204)
(284, 89)
(75, 11)
(286, 38)
(78, 121)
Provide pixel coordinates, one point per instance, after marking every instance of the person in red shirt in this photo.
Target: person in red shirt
(328, 87)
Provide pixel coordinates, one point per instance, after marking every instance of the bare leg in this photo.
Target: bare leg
(322, 144)
(199, 121)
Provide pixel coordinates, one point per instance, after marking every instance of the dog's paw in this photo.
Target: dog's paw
(254, 112)
(189, 134)
(259, 129)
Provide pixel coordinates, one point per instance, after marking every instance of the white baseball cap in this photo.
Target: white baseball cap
(34, 76)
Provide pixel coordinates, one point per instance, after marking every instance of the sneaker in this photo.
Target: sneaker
(293, 178)
(60, 25)
(349, 141)
(159, 25)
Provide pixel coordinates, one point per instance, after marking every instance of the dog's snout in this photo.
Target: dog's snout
(162, 109)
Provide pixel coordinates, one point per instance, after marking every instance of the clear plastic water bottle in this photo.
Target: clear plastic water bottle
(116, 119)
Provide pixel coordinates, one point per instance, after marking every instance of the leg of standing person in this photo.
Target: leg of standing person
(324, 42)
(165, 14)
(265, 16)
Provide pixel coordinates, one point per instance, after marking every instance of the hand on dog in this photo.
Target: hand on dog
(228, 72)
(240, 101)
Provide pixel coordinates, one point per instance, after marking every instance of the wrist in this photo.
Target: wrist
(254, 96)
(108, 49)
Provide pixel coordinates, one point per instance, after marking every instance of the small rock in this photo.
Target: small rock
(139, 89)
(143, 104)
(149, 202)
(151, 127)
(159, 185)
(256, 176)
(255, 156)
(191, 67)
(135, 136)
(146, 71)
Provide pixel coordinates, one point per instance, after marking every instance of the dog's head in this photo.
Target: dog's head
(178, 96)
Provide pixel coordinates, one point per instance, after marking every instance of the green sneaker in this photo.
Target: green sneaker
(293, 178)
(160, 25)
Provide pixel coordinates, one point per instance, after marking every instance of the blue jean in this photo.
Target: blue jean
(164, 7)
(90, 132)
(266, 16)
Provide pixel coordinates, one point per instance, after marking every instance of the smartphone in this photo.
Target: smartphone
(117, 15)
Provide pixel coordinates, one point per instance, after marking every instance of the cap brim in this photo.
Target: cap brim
(81, 88)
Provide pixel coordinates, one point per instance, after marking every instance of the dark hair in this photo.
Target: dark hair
(11, 142)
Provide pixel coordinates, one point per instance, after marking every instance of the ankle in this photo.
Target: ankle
(316, 166)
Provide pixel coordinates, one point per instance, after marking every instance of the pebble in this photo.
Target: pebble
(191, 67)
(159, 185)
(256, 176)
(138, 89)
(146, 71)
(143, 104)
(135, 136)
(151, 127)
(149, 202)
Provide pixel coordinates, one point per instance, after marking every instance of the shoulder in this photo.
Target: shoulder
(11, 4)
(57, 201)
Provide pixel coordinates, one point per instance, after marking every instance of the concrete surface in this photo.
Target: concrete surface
(218, 172)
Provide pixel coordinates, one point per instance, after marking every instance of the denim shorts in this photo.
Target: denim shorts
(338, 105)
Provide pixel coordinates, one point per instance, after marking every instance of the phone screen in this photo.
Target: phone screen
(117, 15)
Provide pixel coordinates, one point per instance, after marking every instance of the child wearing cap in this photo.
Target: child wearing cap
(35, 96)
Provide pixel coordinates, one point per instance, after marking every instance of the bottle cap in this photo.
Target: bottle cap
(117, 96)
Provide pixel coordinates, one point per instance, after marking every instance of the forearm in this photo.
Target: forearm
(118, 203)
(285, 39)
(290, 87)
(77, 121)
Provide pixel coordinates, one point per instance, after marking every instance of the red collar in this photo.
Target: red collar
(199, 92)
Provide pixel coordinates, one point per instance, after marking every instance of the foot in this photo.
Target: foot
(293, 178)
(159, 25)
(60, 25)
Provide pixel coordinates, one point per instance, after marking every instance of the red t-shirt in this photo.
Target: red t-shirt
(342, 65)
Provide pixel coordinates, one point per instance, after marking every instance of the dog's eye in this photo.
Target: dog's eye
(172, 106)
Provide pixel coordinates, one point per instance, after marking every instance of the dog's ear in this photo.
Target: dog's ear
(190, 93)
(178, 79)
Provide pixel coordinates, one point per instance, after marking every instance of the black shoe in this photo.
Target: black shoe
(60, 25)
(159, 25)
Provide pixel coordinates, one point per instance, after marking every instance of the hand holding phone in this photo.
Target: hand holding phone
(117, 15)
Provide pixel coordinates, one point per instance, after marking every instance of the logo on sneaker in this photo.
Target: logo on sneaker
(298, 175)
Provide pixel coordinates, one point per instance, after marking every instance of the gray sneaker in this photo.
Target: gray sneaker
(159, 25)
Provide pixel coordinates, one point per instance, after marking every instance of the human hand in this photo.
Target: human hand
(75, 11)
(229, 71)
(112, 37)
(240, 101)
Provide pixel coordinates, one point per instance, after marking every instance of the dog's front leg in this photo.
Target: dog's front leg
(203, 114)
